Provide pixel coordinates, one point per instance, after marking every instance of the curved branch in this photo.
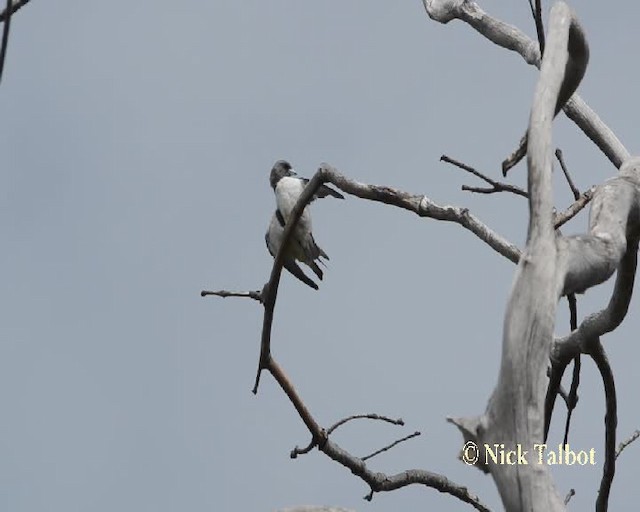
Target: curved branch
(607, 319)
(371, 416)
(610, 420)
(511, 38)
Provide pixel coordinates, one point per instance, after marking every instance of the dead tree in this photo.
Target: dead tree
(549, 267)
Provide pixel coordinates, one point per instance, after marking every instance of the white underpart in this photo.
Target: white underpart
(274, 241)
(288, 191)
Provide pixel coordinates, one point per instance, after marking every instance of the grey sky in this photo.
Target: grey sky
(136, 149)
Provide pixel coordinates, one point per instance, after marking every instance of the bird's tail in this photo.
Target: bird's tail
(295, 270)
(316, 269)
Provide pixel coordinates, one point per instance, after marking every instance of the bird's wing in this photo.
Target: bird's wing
(273, 239)
(323, 191)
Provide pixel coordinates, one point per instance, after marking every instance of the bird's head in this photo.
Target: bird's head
(280, 169)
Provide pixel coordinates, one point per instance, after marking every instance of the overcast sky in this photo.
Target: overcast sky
(136, 143)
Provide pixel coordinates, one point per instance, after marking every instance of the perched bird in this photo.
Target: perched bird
(288, 186)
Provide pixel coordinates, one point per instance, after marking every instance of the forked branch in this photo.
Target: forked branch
(511, 38)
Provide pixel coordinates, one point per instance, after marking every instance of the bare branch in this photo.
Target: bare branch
(15, 6)
(5, 37)
(610, 421)
(371, 416)
(572, 399)
(378, 482)
(424, 207)
(511, 38)
(569, 495)
(496, 186)
(514, 158)
(574, 189)
(574, 209)
(255, 295)
(560, 218)
(539, 26)
(627, 442)
(381, 450)
(302, 451)
(606, 320)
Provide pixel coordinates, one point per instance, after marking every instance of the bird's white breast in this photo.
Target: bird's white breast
(288, 191)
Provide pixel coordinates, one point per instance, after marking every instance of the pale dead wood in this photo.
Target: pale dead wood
(515, 412)
(511, 38)
(496, 186)
(627, 442)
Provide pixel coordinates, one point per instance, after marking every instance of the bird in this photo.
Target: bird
(288, 186)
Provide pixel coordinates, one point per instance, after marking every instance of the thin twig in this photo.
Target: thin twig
(255, 295)
(539, 26)
(496, 186)
(572, 399)
(575, 208)
(301, 451)
(18, 4)
(574, 189)
(627, 442)
(5, 37)
(533, 9)
(569, 495)
(514, 158)
(371, 416)
(381, 450)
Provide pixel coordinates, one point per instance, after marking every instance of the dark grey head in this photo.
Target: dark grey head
(280, 169)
